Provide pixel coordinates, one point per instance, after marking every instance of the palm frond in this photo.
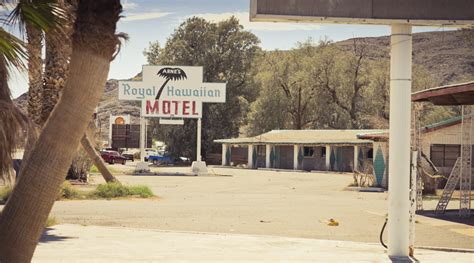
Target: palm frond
(15, 129)
(43, 14)
(121, 39)
(13, 50)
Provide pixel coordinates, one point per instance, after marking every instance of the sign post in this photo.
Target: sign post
(173, 92)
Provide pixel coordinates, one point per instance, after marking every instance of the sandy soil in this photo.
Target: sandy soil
(258, 202)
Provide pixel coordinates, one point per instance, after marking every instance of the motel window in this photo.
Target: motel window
(308, 151)
(444, 155)
(323, 151)
(370, 154)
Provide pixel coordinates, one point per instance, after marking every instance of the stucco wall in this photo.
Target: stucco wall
(316, 162)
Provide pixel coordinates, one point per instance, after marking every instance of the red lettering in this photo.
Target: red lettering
(185, 107)
(175, 107)
(152, 109)
(166, 107)
(194, 108)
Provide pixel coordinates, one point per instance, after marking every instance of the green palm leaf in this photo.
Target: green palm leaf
(13, 50)
(43, 14)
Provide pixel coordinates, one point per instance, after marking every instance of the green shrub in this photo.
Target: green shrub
(94, 169)
(113, 190)
(5, 194)
(68, 192)
(141, 190)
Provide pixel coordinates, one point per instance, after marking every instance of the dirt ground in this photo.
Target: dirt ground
(258, 202)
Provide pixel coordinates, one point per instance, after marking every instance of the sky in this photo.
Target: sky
(148, 21)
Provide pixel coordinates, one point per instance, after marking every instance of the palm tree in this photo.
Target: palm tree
(13, 54)
(58, 52)
(35, 68)
(94, 44)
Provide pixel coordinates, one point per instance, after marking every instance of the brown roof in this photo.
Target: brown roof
(455, 94)
(306, 137)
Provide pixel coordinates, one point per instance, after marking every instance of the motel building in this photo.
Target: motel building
(304, 150)
(339, 150)
(353, 150)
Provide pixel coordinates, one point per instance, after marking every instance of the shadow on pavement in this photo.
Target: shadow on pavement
(451, 215)
(46, 237)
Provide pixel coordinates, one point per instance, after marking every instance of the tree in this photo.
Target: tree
(94, 44)
(53, 79)
(35, 72)
(226, 52)
(288, 89)
(42, 16)
(345, 77)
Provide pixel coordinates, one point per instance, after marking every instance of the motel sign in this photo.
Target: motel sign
(172, 91)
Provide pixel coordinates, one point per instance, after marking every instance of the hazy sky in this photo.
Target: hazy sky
(149, 20)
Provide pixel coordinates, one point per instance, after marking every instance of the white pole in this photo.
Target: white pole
(224, 154)
(296, 149)
(399, 142)
(268, 151)
(198, 148)
(328, 157)
(142, 138)
(250, 163)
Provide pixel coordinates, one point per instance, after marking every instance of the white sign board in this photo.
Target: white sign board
(172, 121)
(172, 83)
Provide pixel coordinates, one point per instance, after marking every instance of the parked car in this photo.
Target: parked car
(167, 159)
(128, 155)
(150, 151)
(112, 157)
(160, 159)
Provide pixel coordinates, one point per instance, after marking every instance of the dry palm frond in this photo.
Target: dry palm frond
(14, 127)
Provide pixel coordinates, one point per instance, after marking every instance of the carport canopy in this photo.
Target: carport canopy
(456, 94)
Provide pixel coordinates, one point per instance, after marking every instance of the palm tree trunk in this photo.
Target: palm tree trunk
(92, 153)
(35, 68)
(58, 51)
(94, 43)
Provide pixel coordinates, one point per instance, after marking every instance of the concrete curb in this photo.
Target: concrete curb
(446, 249)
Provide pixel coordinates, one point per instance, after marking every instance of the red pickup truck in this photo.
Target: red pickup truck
(112, 157)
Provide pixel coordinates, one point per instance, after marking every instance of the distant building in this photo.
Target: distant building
(310, 150)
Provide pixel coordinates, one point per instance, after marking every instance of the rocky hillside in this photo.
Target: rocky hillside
(449, 56)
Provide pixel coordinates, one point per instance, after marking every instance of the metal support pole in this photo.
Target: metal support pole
(466, 160)
(198, 148)
(142, 138)
(399, 142)
(413, 192)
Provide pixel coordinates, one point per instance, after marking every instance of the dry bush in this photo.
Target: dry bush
(365, 177)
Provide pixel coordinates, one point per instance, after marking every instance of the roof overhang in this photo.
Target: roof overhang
(457, 13)
(456, 94)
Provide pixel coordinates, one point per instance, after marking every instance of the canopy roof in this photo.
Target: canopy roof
(304, 137)
(455, 94)
(419, 12)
